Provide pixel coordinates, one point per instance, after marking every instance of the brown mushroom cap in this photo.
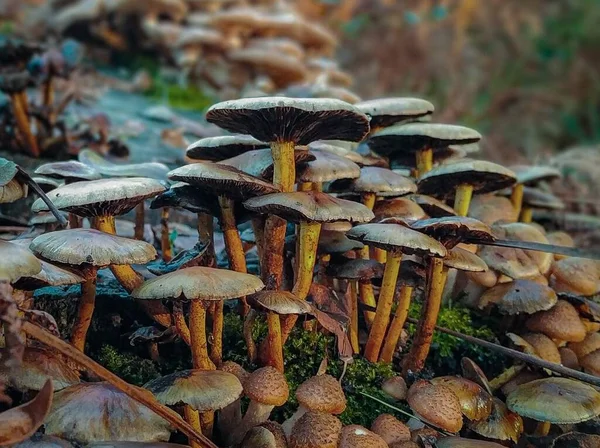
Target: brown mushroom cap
(101, 197)
(473, 372)
(279, 44)
(561, 322)
(591, 363)
(463, 260)
(385, 112)
(395, 237)
(267, 386)
(316, 430)
(533, 174)
(309, 206)
(235, 369)
(519, 296)
(94, 412)
(261, 437)
(484, 176)
(280, 302)
(568, 358)
(543, 346)
(199, 283)
(327, 167)
(436, 404)
(259, 162)
(403, 208)
(454, 229)
(576, 275)
(555, 400)
(223, 147)
(488, 209)
(70, 171)
(476, 403)
(203, 390)
(88, 247)
(298, 120)
(501, 424)
(322, 393)
(432, 206)
(282, 68)
(356, 436)
(395, 387)
(17, 262)
(390, 429)
(356, 269)
(381, 181)
(590, 343)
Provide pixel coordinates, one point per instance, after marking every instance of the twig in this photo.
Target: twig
(143, 396)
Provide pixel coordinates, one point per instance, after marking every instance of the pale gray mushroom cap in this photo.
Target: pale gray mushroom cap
(412, 137)
(309, 206)
(298, 120)
(381, 181)
(536, 198)
(533, 174)
(463, 260)
(103, 197)
(89, 247)
(50, 275)
(394, 237)
(199, 283)
(71, 170)
(432, 206)
(153, 170)
(403, 208)
(387, 111)
(17, 262)
(519, 296)
(94, 412)
(259, 162)
(223, 147)
(280, 302)
(327, 167)
(203, 390)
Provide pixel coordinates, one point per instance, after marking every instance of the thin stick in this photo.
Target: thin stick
(142, 396)
(529, 359)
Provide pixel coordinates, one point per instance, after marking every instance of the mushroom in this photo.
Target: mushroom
(432, 206)
(561, 322)
(223, 147)
(489, 209)
(590, 344)
(461, 442)
(356, 436)
(95, 412)
(501, 424)
(395, 387)
(320, 393)
(326, 167)
(529, 175)
(540, 200)
(475, 402)
(89, 250)
(390, 429)
(316, 430)
(519, 296)
(436, 404)
(396, 240)
(576, 275)
(386, 112)
(231, 415)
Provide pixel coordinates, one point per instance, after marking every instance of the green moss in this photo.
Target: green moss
(130, 367)
(187, 97)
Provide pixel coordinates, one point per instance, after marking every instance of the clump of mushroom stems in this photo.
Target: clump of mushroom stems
(395, 330)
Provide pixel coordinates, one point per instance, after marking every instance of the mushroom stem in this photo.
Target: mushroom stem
(247, 332)
(429, 314)
(309, 240)
(516, 198)
(199, 344)
(424, 161)
(182, 329)
(193, 418)
(367, 297)
(384, 306)
(305, 186)
(74, 221)
(499, 381)
(526, 215)
(84, 312)
(139, 221)
(216, 349)
(256, 414)
(275, 343)
(353, 286)
(206, 237)
(317, 186)
(380, 255)
(462, 200)
(288, 424)
(138, 394)
(395, 330)
(258, 227)
(130, 279)
(19, 104)
(368, 199)
(542, 429)
(165, 238)
(48, 92)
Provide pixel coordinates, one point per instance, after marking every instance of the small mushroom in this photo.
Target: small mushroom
(501, 424)
(475, 402)
(316, 430)
(390, 429)
(436, 404)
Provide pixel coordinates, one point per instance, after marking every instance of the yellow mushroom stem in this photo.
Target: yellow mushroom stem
(206, 237)
(258, 227)
(199, 343)
(284, 177)
(216, 349)
(429, 314)
(193, 418)
(380, 255)
(516, 198)
(424, 159)
(19, 105)
(305, 186)
(395, 330)
(139, 221)
(499, 381)
(130, 279)
(165, 237)
(526, 215)
(85, 311)
(368, 199)
(247, 333)
(180, 325)
(137, 393)
(317, 186)
(384, 306)
(353, 287)
(274, 342)
(462, 200)
(542, 429)
(367, 297)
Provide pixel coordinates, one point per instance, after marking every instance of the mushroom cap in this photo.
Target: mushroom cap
(235, 369)
(521, 231)
(536, 198)
(356, 436)
(519, 296)
(484, 176)
(43, 218)
(259, 162)
(134, 445)
(199, 37)
(103, 197)
(194, 199)
(282, 68)
(454, 229)
(260, 437)
(313, 206)
(199, 283)
(555, 400)
(533, 174)
(223, 147)
(39, 365)
(298, 120)
(12, 191)
(322, 393)
(153, 170)
(393, 237)
(395, 387)
(356, 269)
(590, 343)
(338, 148)
(203, 390)
(568, 358)
(89, 247)
(8, 171)
(543, 346)
(17, 262)
(381, 181)
(50, 275)
(403, 208)
(591, 363)
(576, 275)
(333, 241)
(279, 44)
(501, 424)
(560, 322)
(524, 376)
(314, 429)
(475, 402)
(328, 166)
(94, 412)
(463, 260)
(473, 372)
(44, 441)
(432, 206)
(461, 442)
(390, 429)
(436, 404)
(280, 302)
(267, 386)
(488, 209)
(385, 112)
(70, 170)
(222, 180)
